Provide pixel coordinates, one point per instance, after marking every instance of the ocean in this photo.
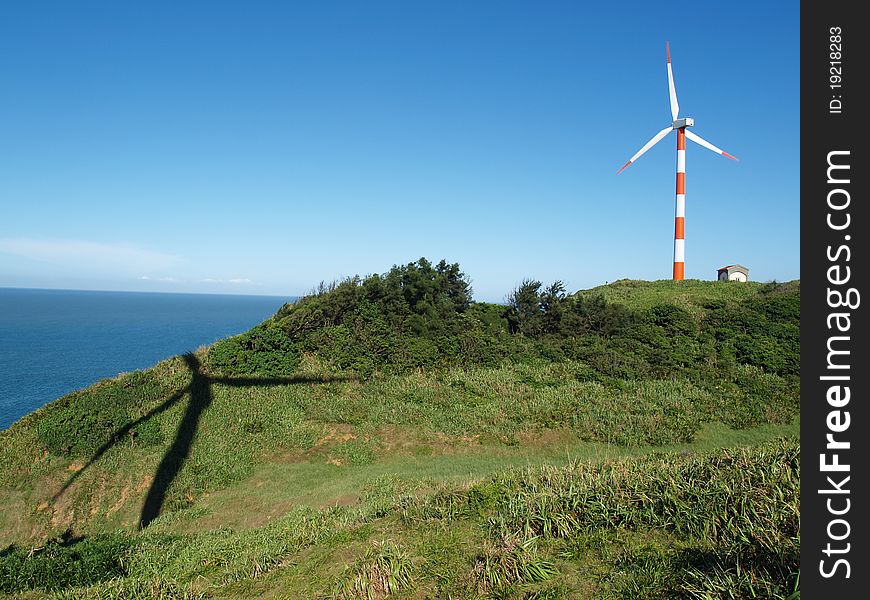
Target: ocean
(55, 341)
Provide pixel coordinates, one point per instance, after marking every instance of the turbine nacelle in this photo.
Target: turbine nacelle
(676, 123)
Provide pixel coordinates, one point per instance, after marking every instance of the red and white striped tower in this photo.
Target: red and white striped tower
(680, 126)
(680, 213)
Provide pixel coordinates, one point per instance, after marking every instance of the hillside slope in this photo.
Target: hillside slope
(329, 434)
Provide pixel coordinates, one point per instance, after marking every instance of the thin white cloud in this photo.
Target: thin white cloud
(83, 258)
(236, 280)
(87, 255)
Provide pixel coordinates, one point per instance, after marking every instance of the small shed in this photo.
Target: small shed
(733, 273)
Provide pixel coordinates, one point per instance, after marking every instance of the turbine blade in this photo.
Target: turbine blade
(702, 142)
(675, 106)
(655, 140)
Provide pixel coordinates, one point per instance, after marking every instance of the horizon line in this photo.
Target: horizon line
(113, 291)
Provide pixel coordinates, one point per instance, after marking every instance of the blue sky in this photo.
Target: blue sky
(261, 147)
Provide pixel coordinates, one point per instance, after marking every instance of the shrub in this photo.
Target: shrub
(64, 563)
(80, 423)
(266, 350)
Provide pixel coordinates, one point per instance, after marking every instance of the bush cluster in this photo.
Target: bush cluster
(80, 423)
(744, 352)
(64, 563)
(416, 315)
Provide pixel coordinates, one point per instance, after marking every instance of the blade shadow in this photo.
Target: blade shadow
(200, 392)
(116, 437)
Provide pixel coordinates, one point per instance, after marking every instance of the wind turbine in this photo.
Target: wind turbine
(681, 126)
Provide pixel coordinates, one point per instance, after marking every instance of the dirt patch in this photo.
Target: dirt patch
(63, 513)
(400, 439)
(292, 457)
(547, 437)
(123, 496)
(146, 482)
(41, 457)
(97, 497)
(336, 433)
(406, 440)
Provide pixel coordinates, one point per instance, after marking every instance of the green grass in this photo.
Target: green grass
(619, 528)
(422, 415)
(655, 456)
(690, 293)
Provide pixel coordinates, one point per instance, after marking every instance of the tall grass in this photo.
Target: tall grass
(738, 511)
(384, 570)
(717, 524)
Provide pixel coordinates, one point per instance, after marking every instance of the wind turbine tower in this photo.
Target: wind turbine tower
(681, 126)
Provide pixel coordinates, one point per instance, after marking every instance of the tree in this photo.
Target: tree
(524, 307)
(552, 301)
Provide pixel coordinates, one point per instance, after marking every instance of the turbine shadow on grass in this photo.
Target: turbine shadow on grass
(173, 460)
(200, 394)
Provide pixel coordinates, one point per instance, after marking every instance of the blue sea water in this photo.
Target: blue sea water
(55, 341)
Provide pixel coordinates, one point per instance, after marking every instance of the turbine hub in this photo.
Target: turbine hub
(680, 123)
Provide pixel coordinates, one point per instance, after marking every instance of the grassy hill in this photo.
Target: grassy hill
(388, 437)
